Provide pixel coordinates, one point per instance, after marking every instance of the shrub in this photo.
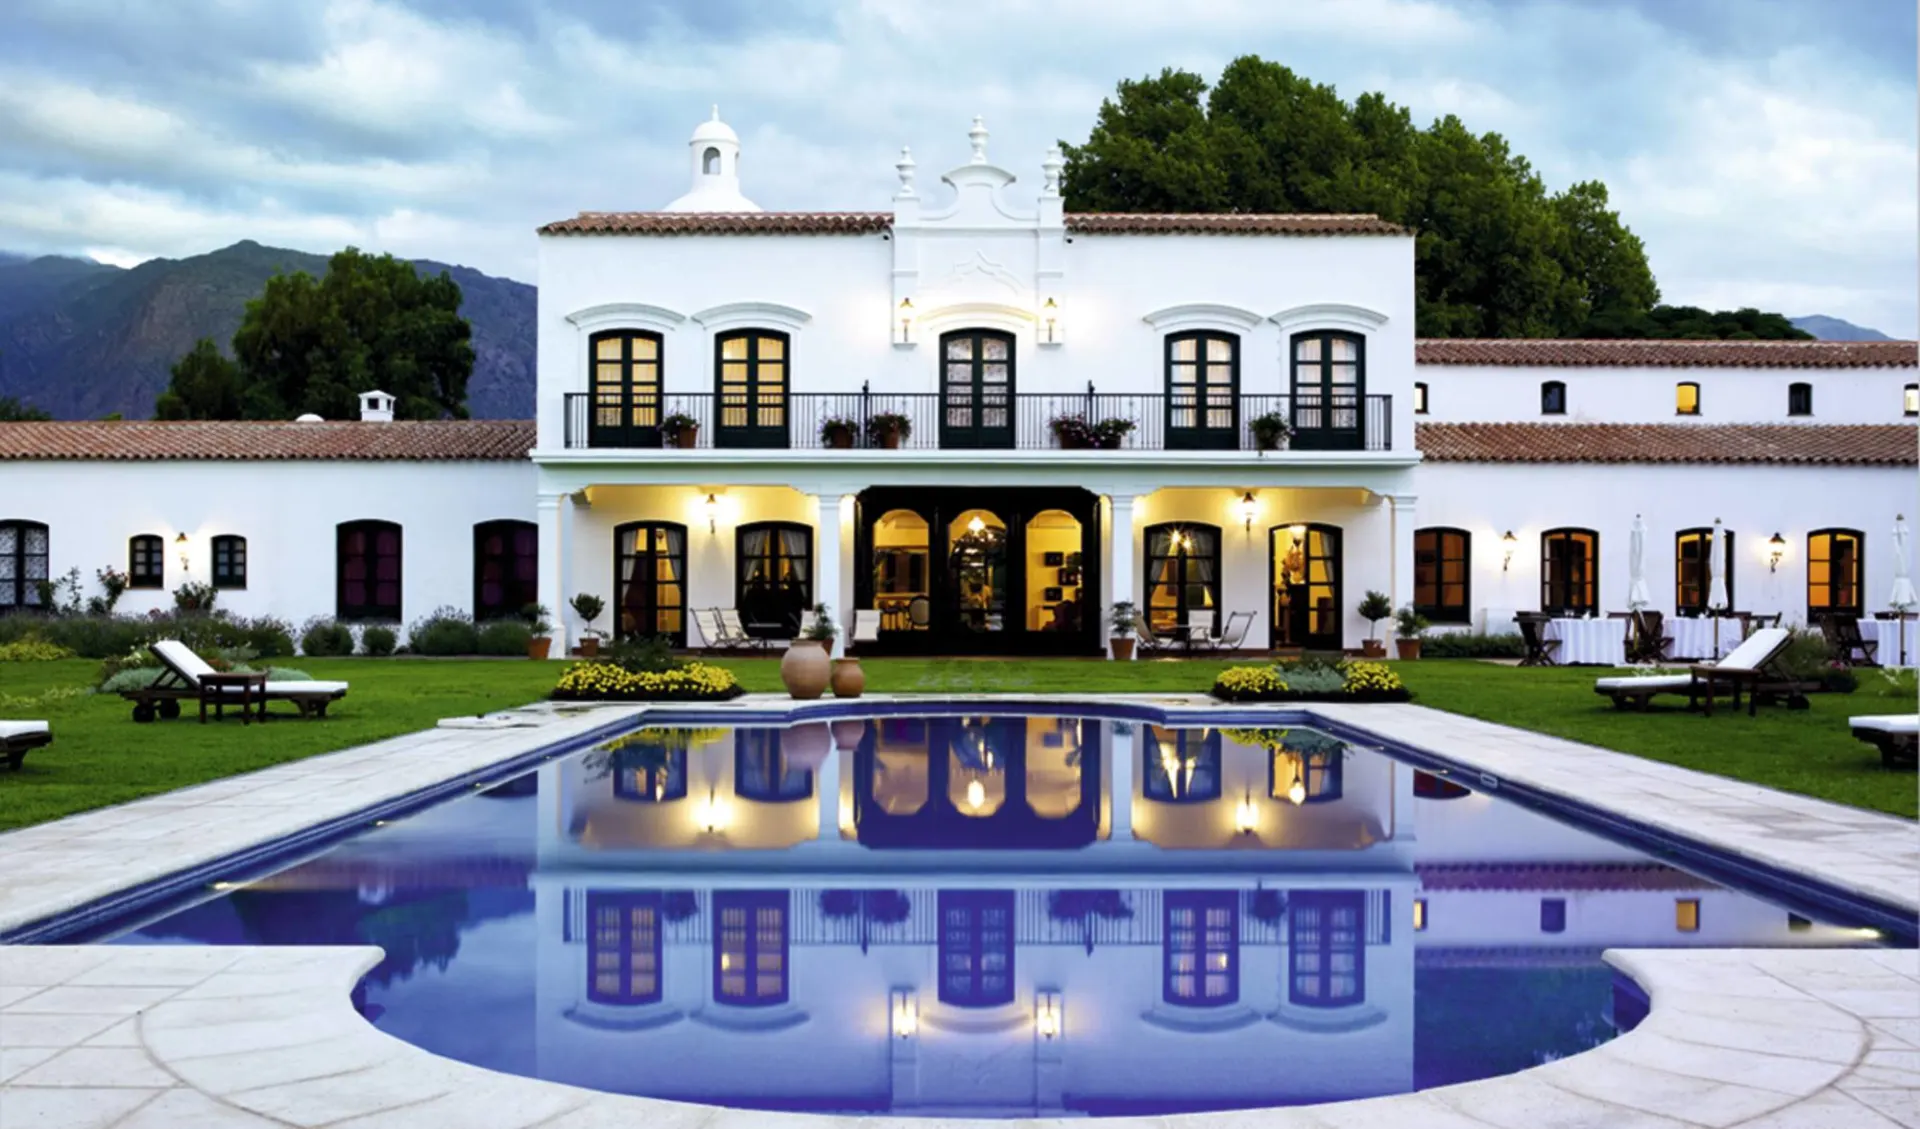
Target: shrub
(1807, 656)
(324, 637)
(378, 641)
(1311, 681)
(1313, 678)
(1465, 645)
(1839, 679)
(608, 682)
(588, 607)
(32, 649)
(90, 637)
(1374, 607)
(1409, 624)
(130, 678)
(446, 631)
(269, 637)
(113, 585)
(652, 655)
(503, 637)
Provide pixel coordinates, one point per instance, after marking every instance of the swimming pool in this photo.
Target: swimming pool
(962, 915)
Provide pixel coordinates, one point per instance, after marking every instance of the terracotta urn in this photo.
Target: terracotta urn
(538, 646)
(848, 679)
(1373, 649)
(1408, 648)
(804, 669)
(1122, 648)
(848, 734)
(806, 745)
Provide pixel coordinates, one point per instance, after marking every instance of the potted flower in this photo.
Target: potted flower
(839, 432)
(542, 638)
(1120, 625)
(680, 430)
(888, 429)
(1374, 608)
(1072, 432)
(1409, 625)
(1271, 432)
(1108, 434)
(588, 607)
(804, 669)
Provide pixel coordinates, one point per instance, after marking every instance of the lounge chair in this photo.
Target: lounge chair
(1231, 635)
(1843, 635)
(1533, 633)
(732, 628)
(1746, 668)
(1894, 734)
(16, 737)
(866, 627)
(712, 634)
(1150, 643)
(181, 679)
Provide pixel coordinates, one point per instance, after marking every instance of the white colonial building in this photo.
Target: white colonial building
(988, 420)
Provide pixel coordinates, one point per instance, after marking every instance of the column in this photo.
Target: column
(826, 566)
(826, 792)
(1400, 521)
(1121, 584)
(552, 510)
(1120, 782)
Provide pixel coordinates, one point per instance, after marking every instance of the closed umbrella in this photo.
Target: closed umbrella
(1716, 581)
(1903, 595)
(1637, 595)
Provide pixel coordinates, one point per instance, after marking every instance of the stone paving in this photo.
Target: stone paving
(137, 1037)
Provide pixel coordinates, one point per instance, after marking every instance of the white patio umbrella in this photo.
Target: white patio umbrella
(1717, 581)
(1637, 595)
(1903, 596)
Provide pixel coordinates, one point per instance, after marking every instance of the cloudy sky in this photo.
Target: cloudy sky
(1764, 149)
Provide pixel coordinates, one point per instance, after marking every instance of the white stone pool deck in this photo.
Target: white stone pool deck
(194, 1036)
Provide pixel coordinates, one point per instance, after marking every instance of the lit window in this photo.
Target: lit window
(1911, 399)
(1202, 947)
(1419, 399)
(1419, 915)
(1553, 915)
(1686, 915)
(750, 947)
(1686, 398)
(1442, 585)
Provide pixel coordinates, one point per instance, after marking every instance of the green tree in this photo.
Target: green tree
(313, 345)
(19, 411)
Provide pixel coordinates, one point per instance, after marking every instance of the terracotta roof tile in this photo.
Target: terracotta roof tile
(442, 440)
(1801, 444)
(866, 223)
(1557, 876)
(1667, 354)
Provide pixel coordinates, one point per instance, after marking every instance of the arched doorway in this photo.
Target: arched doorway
(977, 566)
(649, 572)
(1183, 577)
(1304, 569)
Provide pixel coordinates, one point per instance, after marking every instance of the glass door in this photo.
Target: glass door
(1329, 392)
(1183, 579)
(626, 390)
(1203, 392)
(1306, 607)
(752, 390)
(650, 568)
(977, 389)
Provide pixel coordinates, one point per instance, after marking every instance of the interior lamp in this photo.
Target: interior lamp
(1508, 543)
(1248, 507)
(1776, 548)
(180, 543)
(976, 526)
(712, 507)
(904, 1010)
(1046, 1015)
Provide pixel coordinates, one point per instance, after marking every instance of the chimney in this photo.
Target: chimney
(376, 407)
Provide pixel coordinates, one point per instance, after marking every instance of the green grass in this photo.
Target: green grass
(101, 757)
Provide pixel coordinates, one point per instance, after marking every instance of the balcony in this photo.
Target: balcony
(1020, 422)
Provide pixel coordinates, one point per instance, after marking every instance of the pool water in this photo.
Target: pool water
(988, 917)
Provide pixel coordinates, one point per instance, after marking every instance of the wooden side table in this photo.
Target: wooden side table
(214, 688)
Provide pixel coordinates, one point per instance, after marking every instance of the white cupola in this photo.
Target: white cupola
(715, 158)
(376, 407)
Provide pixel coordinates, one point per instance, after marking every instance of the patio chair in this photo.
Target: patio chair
(714, 633)
(1648, 643)
(16, 737)
(737, 634)
(920, 612)
(1232, 633)
(1747, 668)
(1533, 633)
(1894, 734)
(1756, 621)
(185, 676)
(866, 626)
(1843, 635)
(1149, 642)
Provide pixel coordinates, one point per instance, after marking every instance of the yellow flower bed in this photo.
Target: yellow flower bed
(1364, 681)
(600, 681)
(1239, 681)
(1372, 678)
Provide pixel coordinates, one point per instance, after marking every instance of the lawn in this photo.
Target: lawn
(101, 757)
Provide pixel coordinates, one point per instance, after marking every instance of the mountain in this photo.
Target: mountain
(82, 339)
(1834, 329)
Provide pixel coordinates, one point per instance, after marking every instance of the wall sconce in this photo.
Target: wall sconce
(1508, 543)
(712, 507)
(904, 1009)
(1776, 548)
(1047, 1015)
(903, 323)
(180, 543)
(710, 815)
(1245, 816)
(1052, 325)
(1248, 507)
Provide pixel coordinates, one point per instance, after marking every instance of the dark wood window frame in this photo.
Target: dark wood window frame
(625, 412)
(1800, 398)
(1322, 421)
(1199, 402)
(1553, 397)
(1436, 539)
(1857, 605)
(21, 571)
(146, 561)
(517, 591)
(1590, 583)
(753, 616)
(1691, 598)
(370, 557)
(679, 636)
(1420, 394)
(1184, 615)
(230, 561)
(761, 421)
(976, 403)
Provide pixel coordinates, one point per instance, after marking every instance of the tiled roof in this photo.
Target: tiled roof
(1542, 353)
(1832, 444)
(441, 440)
(1557, 876)
(865, 223)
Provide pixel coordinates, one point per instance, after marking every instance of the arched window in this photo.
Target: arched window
(506, 568)
(23, 563)
(367, 570)
(750, 947)
(773, 576)
(1553, 398)
(1201, 947)
(1799, 398)
(1183, 577)
(976, 389)
(1329, 391)
(751, 367)
(1327, 948)
(1443, 574)
(1569, 571)
(1180, 766)
(1419, 398)
(229, 561)
(1910, 399)
(1692, 548)
(710, 161)
(626, 389)
(1834, 561)
(976, 947)
(623, 948)
(146, 561)
(762, 772)
(1305, 566)
(1203, 391)
(1686, 398)
(650, 580)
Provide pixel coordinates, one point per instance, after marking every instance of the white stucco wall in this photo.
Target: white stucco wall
(1511, 394)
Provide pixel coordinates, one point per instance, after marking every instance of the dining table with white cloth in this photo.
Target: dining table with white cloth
(1589, 642)
(1886, 632)
(1693, 637)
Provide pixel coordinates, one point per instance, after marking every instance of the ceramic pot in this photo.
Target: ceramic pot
(537, 648)
(890, 438)
(849, 734)
(806, 745)
(1122, 648)
(1373, 649)
(848, 679)
(840, 440)
(804, 669)
(686, 438)
(590, 647)
(1408, 648)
